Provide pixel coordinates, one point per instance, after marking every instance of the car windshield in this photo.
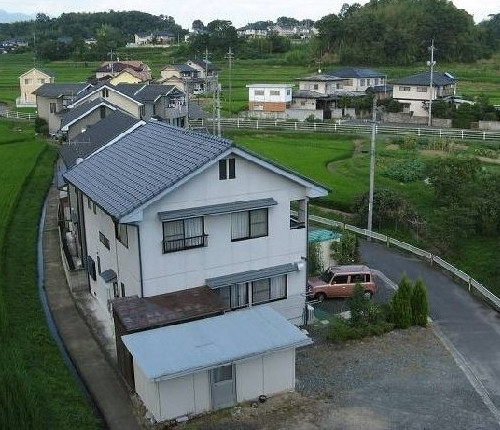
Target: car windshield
(326, 276)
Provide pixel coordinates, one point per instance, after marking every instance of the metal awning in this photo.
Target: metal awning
(108, 275)
(219, 209)
(178, 350)
(251, 275)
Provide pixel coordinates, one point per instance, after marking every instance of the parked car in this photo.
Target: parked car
(339, 281)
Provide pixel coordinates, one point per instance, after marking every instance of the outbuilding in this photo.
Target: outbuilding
(213, 363)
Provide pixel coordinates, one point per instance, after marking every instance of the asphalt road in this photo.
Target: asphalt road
(469, 328)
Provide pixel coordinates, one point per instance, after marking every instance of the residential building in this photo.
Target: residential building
(269, 98)
(110, 69)
(253, 30)
(184, 77)
(143, 101)
(52, 101)
(29, 82)
(359, 79)
(189, 229)
(413, 92)
(207, 71)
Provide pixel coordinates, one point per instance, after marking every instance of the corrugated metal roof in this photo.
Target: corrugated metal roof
(222, 208)
(424, 79)
(322, 235)
(251, 275)
(174, 351)
(309, 94)
(142, 164)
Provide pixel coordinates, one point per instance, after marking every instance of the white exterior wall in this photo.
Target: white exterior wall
(285, 95)
(191, 394)
(269, 374)
(166, 273)
(124, 261)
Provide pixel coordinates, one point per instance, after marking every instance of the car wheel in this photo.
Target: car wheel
(368, 295)
(320, 297)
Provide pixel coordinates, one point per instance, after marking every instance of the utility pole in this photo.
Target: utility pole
(372, 165)
(230, 57)
(431, 63)
(318, 62)
(218, 110)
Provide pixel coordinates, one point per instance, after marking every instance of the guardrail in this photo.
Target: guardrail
(240, 123)
(18, 115)
(428, 256)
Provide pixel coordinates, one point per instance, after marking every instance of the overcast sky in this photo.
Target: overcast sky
(238, 12)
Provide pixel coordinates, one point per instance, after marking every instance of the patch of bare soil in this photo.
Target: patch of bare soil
(489, 160)
(392, 146)
(434, 153)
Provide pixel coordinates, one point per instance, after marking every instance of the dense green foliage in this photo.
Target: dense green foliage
(399, 32)
(402, 314)
(36, 389)
(315, 264)
(367, 319)
(346, 250)
(419, 304)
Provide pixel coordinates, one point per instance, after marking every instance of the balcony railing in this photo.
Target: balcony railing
(185, 243)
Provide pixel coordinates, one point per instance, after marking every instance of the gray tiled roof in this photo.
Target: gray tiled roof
(96, 136)
(251, 275)
(320, 78)
(81, 110)
(184, 67)
(208, 65)
(144, 92)
(307, 94)
(424, 79)
(57, 90)
(355, 72)
(142, 164)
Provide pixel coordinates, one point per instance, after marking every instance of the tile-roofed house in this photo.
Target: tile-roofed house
(96, 136)
(413, 92)
(144, 101)
(208, 71)
(358, 78)
(165, 210)
(112, 68)
(184, 77)
(52, 99)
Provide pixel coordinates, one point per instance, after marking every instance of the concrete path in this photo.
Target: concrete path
(102, 381)
(469, 329)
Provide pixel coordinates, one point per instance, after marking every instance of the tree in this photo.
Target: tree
(346, 250)
(419, 304)
(198, 25)
(401, 304)
(315, 264)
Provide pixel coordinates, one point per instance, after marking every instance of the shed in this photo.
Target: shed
(190, 368)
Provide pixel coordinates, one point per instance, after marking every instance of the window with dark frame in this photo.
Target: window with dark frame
(227, 169)
(297, 214)
(94, 208)
(99, 265)
(183, 234)
(105, 92)
(104, 240)
(102, 112)
(121, 233)
(249, 224)
(53, 107)
(122, 285)
(89, 203)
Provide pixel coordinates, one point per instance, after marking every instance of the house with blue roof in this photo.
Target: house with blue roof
(197, 247)
(414, 92)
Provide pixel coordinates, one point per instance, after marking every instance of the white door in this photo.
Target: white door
(223, 387)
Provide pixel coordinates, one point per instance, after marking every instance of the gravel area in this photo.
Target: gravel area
(402, 380)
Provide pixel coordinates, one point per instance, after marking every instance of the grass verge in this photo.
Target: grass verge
(37, 390)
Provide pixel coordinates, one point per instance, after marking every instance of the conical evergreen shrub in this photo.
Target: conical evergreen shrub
(401, 304)
(419, 304)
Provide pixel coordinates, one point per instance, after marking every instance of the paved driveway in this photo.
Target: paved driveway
(470, 329)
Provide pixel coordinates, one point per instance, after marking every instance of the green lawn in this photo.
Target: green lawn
(37, 391)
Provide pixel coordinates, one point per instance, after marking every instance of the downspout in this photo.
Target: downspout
(140, 260)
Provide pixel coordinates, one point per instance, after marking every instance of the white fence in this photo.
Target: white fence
(240, 123)
(431, 258)
(18, 115)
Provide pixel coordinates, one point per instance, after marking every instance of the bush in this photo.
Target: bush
(341, 330)
(419, 304)
(345, 251)
(401, 304)
(315, 264)
(406, 170)
(41, 126)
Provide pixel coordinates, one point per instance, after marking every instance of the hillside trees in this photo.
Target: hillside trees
(399, 31)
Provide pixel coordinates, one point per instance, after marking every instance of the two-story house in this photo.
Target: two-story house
(414, 92)
(171, 216)
(52, 100)
(272, 99)
(113, 68)
(143, 101)
(184, 77)
(359, 79)
(207, 71)
(29, 82)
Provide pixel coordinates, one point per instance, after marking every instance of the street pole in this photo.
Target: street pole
(230, 57)
(372, 166)
(431, 63)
